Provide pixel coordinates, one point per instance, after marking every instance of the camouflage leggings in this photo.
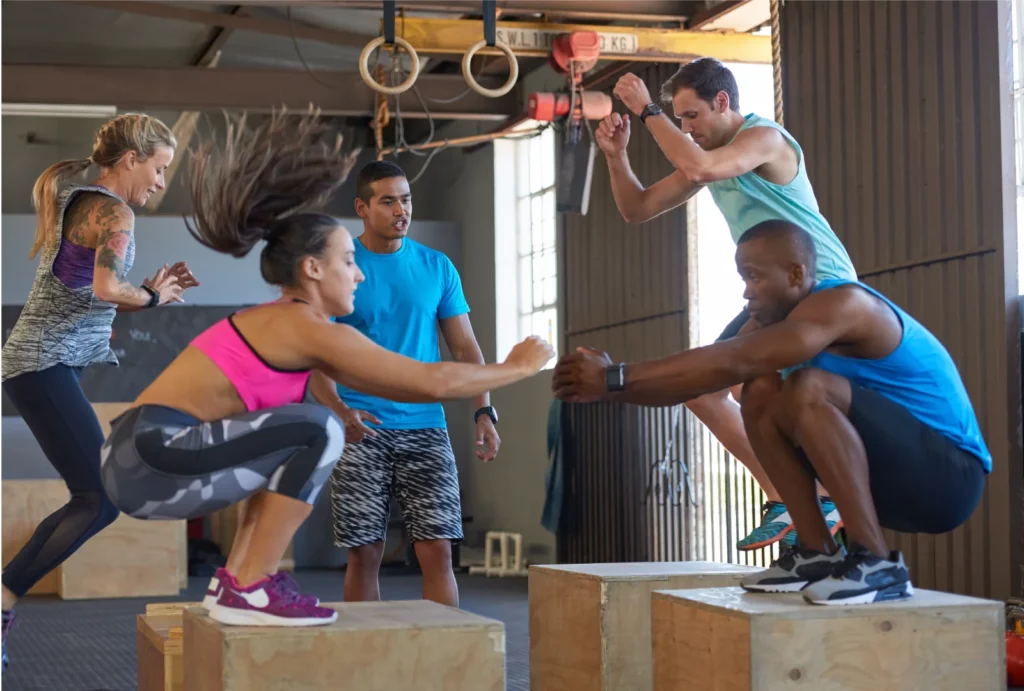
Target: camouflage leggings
(160, 463)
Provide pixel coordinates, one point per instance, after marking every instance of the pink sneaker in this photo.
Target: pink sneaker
(267, 602)
(221, 575)
(213, 590)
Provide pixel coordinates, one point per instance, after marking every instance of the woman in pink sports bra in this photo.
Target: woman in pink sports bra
(231, 418)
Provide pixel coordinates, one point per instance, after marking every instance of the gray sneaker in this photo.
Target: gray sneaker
(862, 579)
(794, 569)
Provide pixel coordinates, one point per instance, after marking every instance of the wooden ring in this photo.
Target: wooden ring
(364, 69)
(513, 73)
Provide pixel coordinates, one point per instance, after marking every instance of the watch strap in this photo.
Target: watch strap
(154, 296)
(615, 377)
(487, 410)
(649, 110)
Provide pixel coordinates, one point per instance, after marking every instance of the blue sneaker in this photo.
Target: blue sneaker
(775, 525)
(832, 519)
(8, 622)
(861, 579)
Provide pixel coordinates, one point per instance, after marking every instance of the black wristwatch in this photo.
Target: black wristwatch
(615, 377)
(154, 297)
(487, 410)
(649, 110)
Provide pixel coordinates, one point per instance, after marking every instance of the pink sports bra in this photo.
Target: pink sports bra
(259, 384)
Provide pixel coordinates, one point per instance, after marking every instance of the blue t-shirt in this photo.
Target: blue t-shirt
(919, 375)
(398, 307)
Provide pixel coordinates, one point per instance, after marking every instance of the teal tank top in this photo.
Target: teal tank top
(749, 199)
(919, 375)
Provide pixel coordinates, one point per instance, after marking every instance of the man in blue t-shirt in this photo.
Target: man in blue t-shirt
(394, 446)
(755, 171)
(839, 385)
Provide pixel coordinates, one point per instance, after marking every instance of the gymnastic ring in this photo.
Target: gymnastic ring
(513, 72)
(364, 68)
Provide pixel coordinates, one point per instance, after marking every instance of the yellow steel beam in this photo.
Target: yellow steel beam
(533, 39)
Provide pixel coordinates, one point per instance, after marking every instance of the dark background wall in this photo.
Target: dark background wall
(904, 112)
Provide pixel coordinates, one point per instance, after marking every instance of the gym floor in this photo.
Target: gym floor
(90, 645)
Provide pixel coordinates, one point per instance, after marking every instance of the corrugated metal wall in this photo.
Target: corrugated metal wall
(625, 291)
(903, 110)
(645, 483)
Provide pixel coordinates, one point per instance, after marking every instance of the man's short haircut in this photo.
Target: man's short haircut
(374, 171)
(800, 240)
(706, 76)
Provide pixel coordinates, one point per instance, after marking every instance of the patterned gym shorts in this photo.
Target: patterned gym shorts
(418, 465)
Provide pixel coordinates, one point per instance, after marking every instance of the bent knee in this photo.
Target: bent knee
(810, 386)
(758, 391)
(708, 403)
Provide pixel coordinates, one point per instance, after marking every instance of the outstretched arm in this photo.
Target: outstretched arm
(350, 358)
(819, 321)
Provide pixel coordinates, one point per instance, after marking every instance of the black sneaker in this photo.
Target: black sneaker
(8, 622)
(862, 579)
(793, 570)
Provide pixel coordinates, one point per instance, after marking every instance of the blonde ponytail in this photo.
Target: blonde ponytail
(44, 199)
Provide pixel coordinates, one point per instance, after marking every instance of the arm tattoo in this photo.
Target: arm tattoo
(114, 225)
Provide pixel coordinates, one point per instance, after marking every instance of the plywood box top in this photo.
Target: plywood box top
(164, 631)
(736, 602)
(639, 571)
(370, 616)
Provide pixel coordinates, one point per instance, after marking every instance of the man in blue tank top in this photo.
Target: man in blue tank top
(410, 293)
(839, 385)
(755, 171)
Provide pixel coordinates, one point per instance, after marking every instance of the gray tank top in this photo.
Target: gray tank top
(61, 325)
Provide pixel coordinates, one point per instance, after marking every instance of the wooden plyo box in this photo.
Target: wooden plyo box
(159, 647)
(128, 558)
(373, 646)
(713, 639)
(590, 624)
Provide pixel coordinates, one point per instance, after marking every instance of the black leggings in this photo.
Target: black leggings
(64, 423)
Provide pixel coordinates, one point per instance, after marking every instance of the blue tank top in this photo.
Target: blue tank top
(749, 199)
(919, 375)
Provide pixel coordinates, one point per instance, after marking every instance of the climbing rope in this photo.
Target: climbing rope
(777, 60)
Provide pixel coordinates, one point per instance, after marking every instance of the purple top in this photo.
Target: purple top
(73, 265)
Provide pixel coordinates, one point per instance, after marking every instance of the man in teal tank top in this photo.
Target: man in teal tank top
(839, 385)
(755, 171)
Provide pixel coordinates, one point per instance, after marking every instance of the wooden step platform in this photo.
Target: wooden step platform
(159, 643)
(128, 558)
(725, 638)
(590, 624)
(373, 646)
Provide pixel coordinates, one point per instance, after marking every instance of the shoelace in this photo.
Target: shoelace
(851, 561)
(288, 595)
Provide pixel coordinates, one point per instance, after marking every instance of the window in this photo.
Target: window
(526, 244)
(1017, 48)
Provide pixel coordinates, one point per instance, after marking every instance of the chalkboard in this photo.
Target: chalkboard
(145, 342)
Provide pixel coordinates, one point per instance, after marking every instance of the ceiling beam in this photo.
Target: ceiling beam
(533, 39)
(257, 90)
(185, 127)
(712, 13)
(658, 7)
(276, 27)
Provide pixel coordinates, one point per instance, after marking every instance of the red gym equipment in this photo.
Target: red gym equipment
(1015, 643)
(572, 54)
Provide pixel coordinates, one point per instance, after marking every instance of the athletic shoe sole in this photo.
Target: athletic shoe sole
(900, 591)
(793, 587)
(246, 617)
(765, 543)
